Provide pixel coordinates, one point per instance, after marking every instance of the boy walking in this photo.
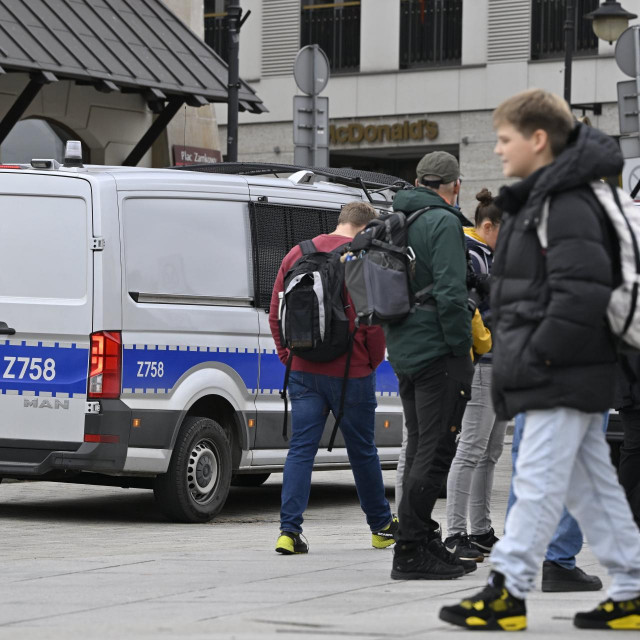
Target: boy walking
(554, 359)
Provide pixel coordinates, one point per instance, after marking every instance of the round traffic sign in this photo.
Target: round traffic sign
(311, 69)
(626, 52)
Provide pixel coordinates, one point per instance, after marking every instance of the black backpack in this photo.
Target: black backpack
(311, 315)
(379, 268)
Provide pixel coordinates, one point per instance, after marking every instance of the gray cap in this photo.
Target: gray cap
(441, 164)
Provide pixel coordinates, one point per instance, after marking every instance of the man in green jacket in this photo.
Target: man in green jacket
(430, 353)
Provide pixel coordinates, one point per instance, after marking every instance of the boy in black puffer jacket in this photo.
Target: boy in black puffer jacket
(554, 359)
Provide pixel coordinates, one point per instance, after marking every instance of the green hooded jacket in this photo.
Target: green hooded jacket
(437, 240)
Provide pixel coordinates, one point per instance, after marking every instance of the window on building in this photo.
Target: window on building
(430, 33)
(547, 28)
(215, 28)
(335, 27)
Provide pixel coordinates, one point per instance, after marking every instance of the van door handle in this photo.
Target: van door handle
(6, 330)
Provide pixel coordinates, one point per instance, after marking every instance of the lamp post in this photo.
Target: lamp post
(609, 21)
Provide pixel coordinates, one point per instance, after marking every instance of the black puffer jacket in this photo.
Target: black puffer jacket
(552, 345)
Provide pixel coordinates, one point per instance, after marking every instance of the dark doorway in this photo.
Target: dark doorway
(392, 161)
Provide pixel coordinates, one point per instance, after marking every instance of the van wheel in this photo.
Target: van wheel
(249, 479)
(196, 486)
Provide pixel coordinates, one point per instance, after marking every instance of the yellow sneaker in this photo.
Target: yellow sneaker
(611, 614)
(387, 536)
(290, 543)
(494, 608)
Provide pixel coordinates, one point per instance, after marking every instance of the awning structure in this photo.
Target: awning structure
(115, 45)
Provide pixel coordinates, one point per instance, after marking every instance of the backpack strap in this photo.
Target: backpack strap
(283, 395)
(307, 247)
(421, 298)
(343, 393)
(416, 214)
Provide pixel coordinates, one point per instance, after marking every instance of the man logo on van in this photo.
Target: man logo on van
(46, 403)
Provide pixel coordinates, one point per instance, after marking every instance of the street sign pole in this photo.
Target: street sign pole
(311, 112)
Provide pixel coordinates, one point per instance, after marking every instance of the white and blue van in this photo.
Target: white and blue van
(135, 347)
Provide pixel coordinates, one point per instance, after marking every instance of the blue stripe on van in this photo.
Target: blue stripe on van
(136, 375)
(140, 377)
(66, 366)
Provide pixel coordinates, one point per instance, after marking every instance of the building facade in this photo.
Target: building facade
(410, 76)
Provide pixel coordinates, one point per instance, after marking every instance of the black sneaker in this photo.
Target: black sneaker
(494, 608)
(436, 547)
(610, 614)
(387, 536)
(556, 578)
(484, 542)
(459, 545)
(415, 562)
(289, 543)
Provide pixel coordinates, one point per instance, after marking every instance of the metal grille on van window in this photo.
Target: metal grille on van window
(275, 229)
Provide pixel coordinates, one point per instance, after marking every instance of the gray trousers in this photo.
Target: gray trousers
(564, 459)
(471, 476)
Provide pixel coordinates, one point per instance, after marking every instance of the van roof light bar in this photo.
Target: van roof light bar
(73, 154)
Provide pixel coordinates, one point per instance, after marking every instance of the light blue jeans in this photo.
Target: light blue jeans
(567, 540)
(564, 459)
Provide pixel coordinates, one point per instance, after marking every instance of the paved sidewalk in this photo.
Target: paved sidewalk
(97, 562)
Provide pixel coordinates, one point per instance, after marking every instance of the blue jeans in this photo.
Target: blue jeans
(312, 397)
(567, 540)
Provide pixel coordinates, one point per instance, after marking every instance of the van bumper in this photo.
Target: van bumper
(33, 459)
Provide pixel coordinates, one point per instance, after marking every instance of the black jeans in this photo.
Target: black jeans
(433, 401)
(629, 470)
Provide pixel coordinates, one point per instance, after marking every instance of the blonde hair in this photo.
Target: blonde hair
(535, 109)
(356, 213)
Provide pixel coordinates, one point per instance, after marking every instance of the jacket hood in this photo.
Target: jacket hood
(589, 155)
(410, 200)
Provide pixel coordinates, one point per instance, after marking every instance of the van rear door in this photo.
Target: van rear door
(46, 281)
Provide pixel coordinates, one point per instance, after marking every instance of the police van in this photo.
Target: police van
(135, 348)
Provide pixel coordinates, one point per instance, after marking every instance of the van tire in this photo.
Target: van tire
(196, 485)
(249, 479)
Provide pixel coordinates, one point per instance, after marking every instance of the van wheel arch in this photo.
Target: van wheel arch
(222, 411)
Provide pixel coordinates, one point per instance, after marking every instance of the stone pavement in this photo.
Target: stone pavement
(96, 562)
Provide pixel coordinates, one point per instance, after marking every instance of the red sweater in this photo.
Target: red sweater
(369, 345)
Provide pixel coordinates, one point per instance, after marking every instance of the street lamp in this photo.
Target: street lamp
(609, 21)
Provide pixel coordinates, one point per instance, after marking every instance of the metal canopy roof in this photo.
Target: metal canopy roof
(132, 45)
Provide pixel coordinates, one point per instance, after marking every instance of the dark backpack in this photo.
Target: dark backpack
(379, 268)
(311, 315)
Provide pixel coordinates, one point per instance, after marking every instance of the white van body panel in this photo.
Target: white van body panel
(46, 287)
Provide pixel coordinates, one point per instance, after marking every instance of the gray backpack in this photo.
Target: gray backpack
(378, 270)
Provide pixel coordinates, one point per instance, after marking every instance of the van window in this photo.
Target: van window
(44, 247)
(187, 247)
(275, 229)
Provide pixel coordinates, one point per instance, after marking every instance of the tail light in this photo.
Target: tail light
(105, 368)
